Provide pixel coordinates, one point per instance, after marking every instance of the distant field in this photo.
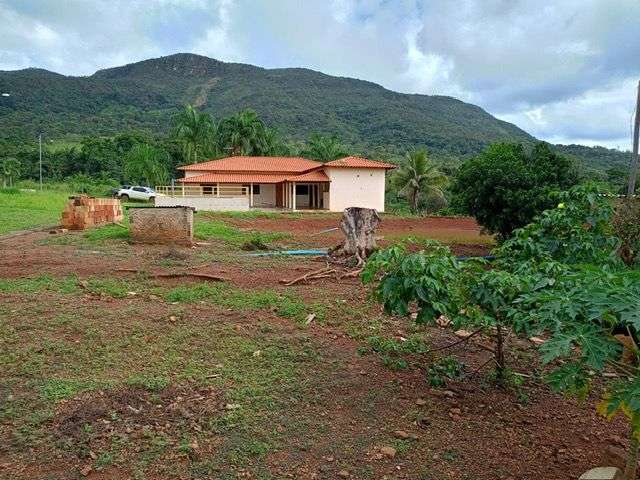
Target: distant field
(23, 210)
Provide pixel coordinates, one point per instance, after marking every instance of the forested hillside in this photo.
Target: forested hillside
(297, 102)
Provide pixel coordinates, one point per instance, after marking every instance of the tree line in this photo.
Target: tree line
(517, 176)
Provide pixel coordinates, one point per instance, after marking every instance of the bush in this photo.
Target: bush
(626, 225)
(505, 187)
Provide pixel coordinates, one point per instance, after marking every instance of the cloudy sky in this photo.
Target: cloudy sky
(564, 70)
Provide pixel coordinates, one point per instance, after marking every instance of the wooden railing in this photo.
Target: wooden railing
(203, 191)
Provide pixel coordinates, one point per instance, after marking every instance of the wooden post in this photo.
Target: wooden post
(634, 159)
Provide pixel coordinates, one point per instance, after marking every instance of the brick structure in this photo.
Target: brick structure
(83, 212)
(162, 225)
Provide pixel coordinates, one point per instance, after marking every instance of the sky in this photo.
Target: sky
(566, 71)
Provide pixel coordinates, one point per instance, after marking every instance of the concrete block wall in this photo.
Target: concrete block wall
(162, 225)
(212, 203)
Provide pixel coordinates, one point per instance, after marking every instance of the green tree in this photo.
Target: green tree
(244, 134)
(418, 178)
(146, 164)
(505, 187)
(195, 132)
(324, 148)
(11, 169)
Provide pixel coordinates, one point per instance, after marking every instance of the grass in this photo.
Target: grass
(219, 230)
(24, 210)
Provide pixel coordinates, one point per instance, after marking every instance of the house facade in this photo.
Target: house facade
(295, 183)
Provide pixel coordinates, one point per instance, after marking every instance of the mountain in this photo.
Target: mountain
(297, 101)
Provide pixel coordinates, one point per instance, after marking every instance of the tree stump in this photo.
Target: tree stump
(359, 227)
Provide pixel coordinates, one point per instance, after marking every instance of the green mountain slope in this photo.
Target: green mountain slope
(297, 101)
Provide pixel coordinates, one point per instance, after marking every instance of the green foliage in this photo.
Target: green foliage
(505, 187)
(418, 179)
(578, 230)
(626, 225)
(145, 164)
(10, 169)
(446, 368)
(324, 148)
(194, 132)
(219, 230)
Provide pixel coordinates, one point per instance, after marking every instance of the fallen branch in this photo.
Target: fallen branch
(204, 276)
(324, 271)
(457, 342)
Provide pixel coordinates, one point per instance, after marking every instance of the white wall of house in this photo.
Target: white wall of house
(206, 203)
(267, 196)
(192, 173)
(356, 187)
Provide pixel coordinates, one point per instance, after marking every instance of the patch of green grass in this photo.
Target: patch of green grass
(24, 210)
(107, 232)
(54, 390)
(284, 305)
(219, 230)
(151, 383)
(39, 284)
(112, 287)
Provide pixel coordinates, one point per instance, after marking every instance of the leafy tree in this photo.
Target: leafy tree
(196, 133)
(244, 134)
(418, 178)
(324, 148)
(11, 169)
(146, 164)
(505, 187)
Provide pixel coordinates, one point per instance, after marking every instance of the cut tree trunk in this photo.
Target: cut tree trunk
(359, 228)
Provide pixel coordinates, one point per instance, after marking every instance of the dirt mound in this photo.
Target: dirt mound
(94, 416)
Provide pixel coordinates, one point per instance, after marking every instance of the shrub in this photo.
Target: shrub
(626, 225)
(505, 187)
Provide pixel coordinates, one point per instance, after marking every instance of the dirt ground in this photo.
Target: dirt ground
(108, 374)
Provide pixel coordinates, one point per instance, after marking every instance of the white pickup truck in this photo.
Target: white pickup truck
(136, 193)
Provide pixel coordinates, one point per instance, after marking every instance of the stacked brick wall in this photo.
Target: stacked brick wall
(84, 212)
(162, 225)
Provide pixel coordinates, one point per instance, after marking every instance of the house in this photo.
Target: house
(240, 183)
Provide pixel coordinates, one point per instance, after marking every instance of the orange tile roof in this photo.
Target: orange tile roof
(215, 177)
(313, 176)
(358, 162)
(256, 164)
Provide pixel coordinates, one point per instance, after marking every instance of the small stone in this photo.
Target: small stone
(455, 411)
(401, 434)
(173, 318)
(462, 333)
(343, 474)
(449, 393)
(257, 353)
(92, 454)
(602, 473)
(421, 402)
(614, 457)
(536, 340)
(86, 470)
(232, 406)
(389, 452)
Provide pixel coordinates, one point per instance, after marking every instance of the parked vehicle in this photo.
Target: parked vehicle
(136, 193)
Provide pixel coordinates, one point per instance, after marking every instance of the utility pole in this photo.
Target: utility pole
(634, 159)
(40, 147)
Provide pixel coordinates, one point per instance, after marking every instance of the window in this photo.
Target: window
(302, 189)
(256, 189)
(207, 190)
(139, 189)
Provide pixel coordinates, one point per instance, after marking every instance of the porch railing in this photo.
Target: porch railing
(203, 190)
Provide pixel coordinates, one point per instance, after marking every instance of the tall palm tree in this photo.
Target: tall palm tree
(146, 164)
(196, 133)
(243, 134)
(418, 177)
(10, 170)
(324, 148)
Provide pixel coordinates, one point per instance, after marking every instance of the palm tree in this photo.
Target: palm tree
(324, 148)
(196, 133)
(10, 170)
(418, 177)
(146, 164)
(243, 134)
